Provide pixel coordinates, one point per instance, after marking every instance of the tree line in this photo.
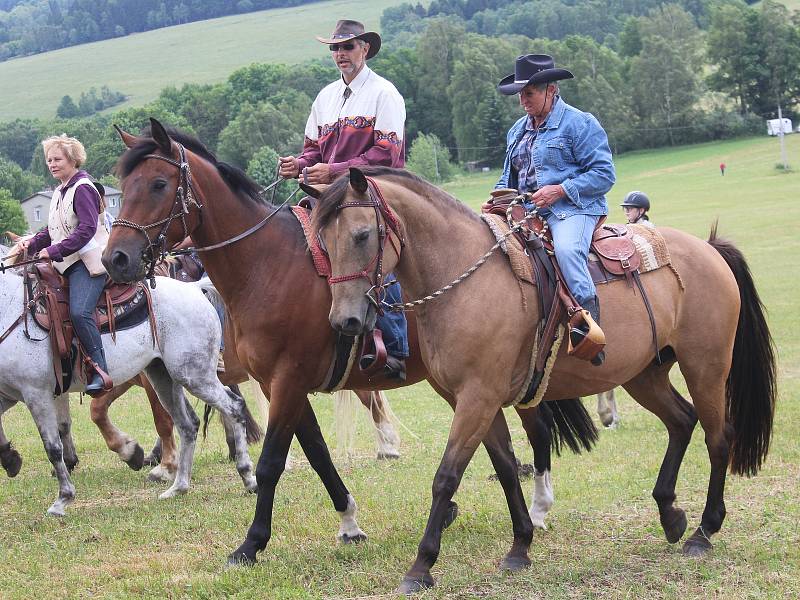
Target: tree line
(665, 81)
(33, 26)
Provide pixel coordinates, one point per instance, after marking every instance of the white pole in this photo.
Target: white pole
(780, 137)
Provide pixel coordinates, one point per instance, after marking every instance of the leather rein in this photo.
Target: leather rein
(387, 223)
(185, 198)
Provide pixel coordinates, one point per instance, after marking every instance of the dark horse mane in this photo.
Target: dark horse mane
(236, 179)
(325, 211)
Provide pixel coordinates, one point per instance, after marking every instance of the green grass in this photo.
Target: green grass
(604, 539)
(140, 65)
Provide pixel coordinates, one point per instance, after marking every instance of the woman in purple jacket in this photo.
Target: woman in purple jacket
(74, 239)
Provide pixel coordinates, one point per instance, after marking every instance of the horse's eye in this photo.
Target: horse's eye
(159, 184)
(361, 237)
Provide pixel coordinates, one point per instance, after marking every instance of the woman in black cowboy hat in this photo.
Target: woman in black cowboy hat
(560, 155)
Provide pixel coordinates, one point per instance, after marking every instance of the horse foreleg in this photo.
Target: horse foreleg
(286, 409)
(540, 438)
(474, 417)
(607, 409)
(386, 437)
(65, 431)
(9, 457)
(44, 415)
(167, 465)
(128, 449)
(652, 390)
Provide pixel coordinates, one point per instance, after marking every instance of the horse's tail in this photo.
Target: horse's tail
(751, 387)
(569, 424)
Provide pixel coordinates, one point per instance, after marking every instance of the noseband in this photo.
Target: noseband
(384, 218)
(185, 198)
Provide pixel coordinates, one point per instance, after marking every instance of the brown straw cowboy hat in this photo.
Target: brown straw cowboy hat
(531, 68)
(347, 30)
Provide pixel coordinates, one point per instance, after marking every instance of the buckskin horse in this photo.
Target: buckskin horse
(279, 308)
(709, 320)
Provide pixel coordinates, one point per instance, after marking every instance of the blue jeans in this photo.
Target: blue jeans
(84, 291)
(572, 237)
(393, 325)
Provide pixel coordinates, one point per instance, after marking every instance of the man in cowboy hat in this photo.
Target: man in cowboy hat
(560, 155)
(357, 120)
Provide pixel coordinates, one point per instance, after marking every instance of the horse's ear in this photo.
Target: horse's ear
(357, 180)
(127, 139)
(310, 190)
(160, 136)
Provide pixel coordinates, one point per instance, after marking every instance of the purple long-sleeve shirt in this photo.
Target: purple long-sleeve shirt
(86, 205)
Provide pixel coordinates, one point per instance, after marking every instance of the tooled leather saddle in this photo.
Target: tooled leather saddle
(120, 306)
(616, 257)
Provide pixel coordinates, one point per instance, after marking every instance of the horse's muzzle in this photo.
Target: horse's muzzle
(120, 266)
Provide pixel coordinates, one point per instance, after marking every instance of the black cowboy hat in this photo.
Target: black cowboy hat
(531, 68)
(347, 30)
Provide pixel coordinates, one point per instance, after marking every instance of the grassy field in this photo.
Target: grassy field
(604, 539)
(140, 65)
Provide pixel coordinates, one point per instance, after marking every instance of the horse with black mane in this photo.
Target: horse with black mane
(174, 187)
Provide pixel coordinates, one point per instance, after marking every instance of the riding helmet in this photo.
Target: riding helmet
(636, 199)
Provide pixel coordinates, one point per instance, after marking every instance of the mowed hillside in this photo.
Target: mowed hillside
(140, 65)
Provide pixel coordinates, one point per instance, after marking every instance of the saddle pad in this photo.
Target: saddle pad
(520, 262)
(321, 261)
(651, 247)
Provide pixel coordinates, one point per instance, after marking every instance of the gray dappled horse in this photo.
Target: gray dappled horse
(188, 333)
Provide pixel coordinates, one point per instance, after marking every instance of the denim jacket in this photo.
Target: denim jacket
(571, 149)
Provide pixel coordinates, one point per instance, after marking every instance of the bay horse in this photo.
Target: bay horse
(709, 320)
(180, 353)
(279, 309)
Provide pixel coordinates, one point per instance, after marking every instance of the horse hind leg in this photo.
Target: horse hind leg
(652, 389)
(213, 393)
(607, 409)
(172, 397)
(386, 437)
(539, 434)
(127, 448)
(706, 382)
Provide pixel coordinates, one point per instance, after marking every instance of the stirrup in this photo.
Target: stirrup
(593, 339)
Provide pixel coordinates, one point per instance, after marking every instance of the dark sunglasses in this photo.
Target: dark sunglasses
(347, 46)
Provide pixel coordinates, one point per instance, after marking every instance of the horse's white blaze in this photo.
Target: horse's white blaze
(542, 498)
(348, 528)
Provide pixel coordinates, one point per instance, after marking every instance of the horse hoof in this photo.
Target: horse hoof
(515, 563)
(172, 493)
(538, 522)
(352, 539)
(251, 485)
(55, 511)
(388, 455)
(675, 525)
(12, 462)
(697, 546)
(136, 461)
(410, 585)
(450, 516)
(239, 559)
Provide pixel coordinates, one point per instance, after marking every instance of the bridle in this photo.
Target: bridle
(386, 224)
(185, 198)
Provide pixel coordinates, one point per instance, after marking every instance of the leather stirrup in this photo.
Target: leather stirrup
(373, 354)
(592, 343)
